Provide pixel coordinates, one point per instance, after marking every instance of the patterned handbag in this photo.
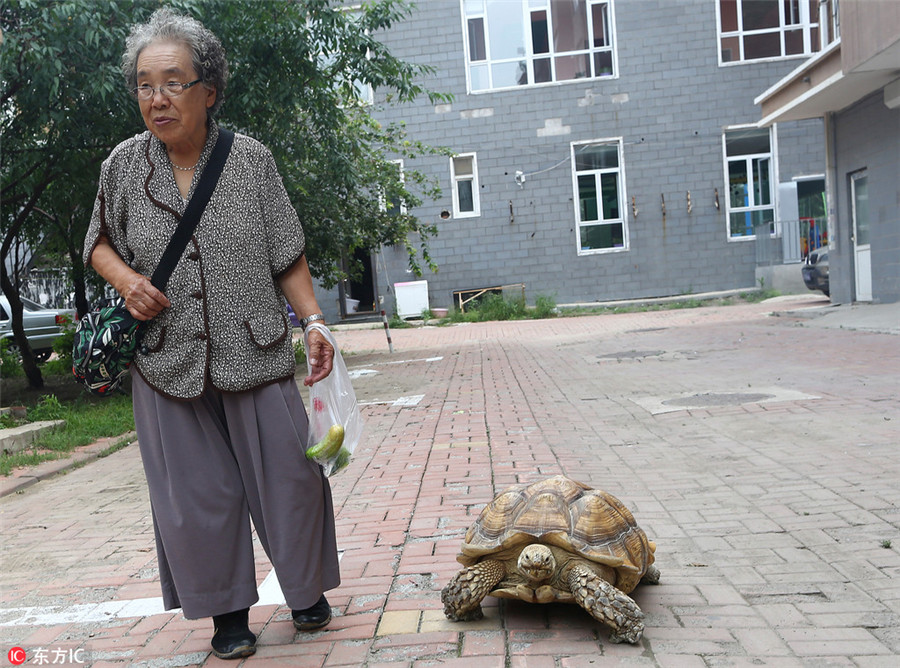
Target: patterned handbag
(106, 341)
(107, 338)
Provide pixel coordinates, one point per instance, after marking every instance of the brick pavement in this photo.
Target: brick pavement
(771, 497)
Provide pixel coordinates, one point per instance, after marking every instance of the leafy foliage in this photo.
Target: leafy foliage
(10, 366)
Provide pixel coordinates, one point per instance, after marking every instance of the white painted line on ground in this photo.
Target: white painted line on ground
(84, 613)
(399, 402)
(421, 359)
(411, 400)
(359, 373)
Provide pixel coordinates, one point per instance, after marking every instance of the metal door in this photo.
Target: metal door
(862, 252)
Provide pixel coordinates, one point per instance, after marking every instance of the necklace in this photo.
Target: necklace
(185, 169)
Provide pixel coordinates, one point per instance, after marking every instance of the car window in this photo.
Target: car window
(3, 315)
(31, 306)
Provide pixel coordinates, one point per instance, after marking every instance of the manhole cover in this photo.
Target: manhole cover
(699, 400)
(719, 399)
(631, 354)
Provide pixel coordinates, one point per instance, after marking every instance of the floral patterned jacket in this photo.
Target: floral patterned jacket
(227, 325)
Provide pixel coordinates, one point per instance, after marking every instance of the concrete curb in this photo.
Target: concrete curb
(16, 439)
(24, 478)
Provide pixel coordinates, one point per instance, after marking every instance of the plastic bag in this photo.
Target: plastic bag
(335, 424)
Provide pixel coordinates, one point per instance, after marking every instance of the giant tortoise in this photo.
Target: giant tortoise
(555, 540)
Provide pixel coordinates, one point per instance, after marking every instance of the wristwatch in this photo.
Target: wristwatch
(310, 318)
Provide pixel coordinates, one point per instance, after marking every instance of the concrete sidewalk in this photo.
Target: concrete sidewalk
(759, 452)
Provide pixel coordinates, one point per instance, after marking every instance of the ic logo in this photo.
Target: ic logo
(16, 656)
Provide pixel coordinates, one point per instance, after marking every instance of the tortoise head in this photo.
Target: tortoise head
(536, 563)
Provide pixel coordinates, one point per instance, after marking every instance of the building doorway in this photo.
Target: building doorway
(359, 291)
(862, 250)
(812, 212)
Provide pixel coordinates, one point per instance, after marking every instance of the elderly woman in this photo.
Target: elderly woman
(219, 418)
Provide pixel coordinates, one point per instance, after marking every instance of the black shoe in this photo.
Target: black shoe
(314, 617)
(232, 638)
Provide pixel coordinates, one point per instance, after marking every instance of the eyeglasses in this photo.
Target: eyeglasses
(170, 89)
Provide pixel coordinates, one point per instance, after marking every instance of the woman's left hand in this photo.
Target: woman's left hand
(320, 355)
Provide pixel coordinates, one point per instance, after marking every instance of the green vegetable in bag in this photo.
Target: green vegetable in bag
(329, 446)
(341, 461)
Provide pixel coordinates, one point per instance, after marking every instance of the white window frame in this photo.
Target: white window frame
(807, 22)
(366, 94)
(748, 159)
(622, 218)
(455, 180)
(528, 57)
(829, 22)
(382, 199)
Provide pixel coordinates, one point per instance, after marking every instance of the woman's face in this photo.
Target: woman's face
(179, 122)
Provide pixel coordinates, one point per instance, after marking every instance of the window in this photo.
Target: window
(464, 175)
(748, 170)
(830, 16)
(524, 42)
(392, 202)
(353, 91)
(598, 181)
(761, 29)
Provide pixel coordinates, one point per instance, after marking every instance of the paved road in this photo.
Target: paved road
(759, 452)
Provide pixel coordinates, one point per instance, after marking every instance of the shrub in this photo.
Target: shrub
(544, 307)
(10, 366)
(48, 408)
(65, 342)
(496, 307)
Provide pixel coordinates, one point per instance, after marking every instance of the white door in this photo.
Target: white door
(862, 251)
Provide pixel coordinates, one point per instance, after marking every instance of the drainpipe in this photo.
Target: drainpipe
(831, 183)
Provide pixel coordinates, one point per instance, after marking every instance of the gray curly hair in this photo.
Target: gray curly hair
(207, 54)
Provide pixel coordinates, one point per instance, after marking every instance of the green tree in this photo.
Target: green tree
(297, 69)
(60, 110)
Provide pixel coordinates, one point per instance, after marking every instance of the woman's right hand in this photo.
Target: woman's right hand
(142, 299)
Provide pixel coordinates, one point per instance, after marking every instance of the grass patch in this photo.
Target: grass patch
(87, 418)
(396, 322)
(496, 307)
(758, 295)
(749, 297)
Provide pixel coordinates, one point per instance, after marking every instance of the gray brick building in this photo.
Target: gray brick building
(605, 149)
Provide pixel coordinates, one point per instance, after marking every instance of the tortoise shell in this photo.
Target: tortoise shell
(568, 514)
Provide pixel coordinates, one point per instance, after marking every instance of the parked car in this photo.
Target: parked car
(815, 271)
(42, 325)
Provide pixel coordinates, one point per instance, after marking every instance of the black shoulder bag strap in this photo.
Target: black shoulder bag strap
(194, 209)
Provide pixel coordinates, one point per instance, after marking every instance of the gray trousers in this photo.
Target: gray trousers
(214, 463)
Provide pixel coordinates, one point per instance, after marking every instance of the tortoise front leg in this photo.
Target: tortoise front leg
(463, 594)
(607, 604)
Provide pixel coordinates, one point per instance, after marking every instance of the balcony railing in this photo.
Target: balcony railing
(792, 241)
